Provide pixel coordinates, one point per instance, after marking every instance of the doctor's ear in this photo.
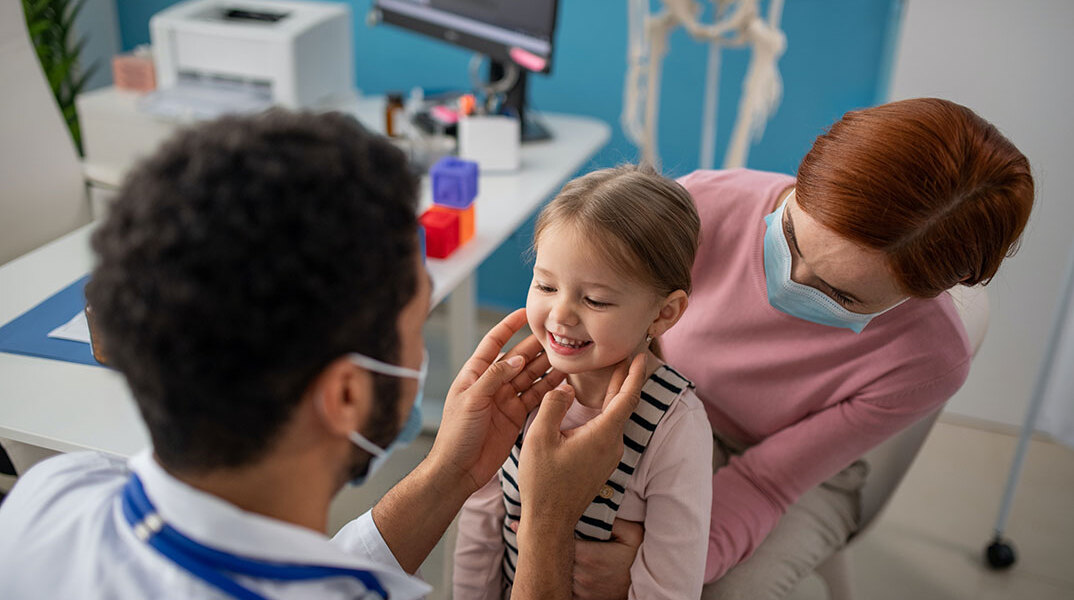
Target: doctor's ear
(343, 396)
(671, 308)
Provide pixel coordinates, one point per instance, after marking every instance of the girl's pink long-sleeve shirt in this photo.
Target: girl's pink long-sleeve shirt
(668, 493)
(808, 399)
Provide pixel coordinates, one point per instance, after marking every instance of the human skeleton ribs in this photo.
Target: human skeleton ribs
(738, 24)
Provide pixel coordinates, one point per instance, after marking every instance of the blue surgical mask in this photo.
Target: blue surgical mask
(410, 429)
(795, 299)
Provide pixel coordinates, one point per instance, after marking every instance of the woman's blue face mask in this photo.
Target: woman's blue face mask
(789, 296)
(410, 429)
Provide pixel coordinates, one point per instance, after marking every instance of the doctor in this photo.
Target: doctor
(259, 284)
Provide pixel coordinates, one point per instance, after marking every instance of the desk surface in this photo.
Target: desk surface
(65, 406)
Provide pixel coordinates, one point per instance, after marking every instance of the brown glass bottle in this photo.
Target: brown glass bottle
(393, 112)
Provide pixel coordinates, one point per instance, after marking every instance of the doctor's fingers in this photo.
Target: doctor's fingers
(488, 350)
(529, 348)
(624, 390)
(536, 367)
(532, 397)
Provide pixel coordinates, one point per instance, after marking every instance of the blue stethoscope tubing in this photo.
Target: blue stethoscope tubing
(217, 567)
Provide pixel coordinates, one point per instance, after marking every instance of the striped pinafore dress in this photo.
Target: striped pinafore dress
(658, 393)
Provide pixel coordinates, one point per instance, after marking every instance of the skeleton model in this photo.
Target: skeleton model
(738, 23)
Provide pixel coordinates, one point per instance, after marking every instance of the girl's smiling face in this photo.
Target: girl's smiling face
(586, 314)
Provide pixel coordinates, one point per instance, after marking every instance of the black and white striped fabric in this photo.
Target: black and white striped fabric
(657, 395)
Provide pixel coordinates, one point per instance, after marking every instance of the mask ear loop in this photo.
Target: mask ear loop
(384, 368)
(363, 442)
(377, 366)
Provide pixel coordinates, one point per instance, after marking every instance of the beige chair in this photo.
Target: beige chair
(890, 461)
(42, 192)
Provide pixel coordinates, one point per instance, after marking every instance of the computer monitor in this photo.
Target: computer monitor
(495, 28)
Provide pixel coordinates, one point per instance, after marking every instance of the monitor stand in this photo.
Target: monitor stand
(515, 102)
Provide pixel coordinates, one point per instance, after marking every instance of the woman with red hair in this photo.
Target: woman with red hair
(819, 324)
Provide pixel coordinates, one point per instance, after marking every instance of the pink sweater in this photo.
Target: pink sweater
(808, 399)
(666, 494)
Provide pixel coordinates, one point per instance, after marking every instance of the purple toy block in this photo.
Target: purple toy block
(454, 182)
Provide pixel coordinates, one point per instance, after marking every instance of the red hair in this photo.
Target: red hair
(926, 181)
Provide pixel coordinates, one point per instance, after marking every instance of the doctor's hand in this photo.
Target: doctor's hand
(560, 473)
(488, 403)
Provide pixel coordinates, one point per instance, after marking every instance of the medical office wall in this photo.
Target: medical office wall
(1010, 63)
(838, 59)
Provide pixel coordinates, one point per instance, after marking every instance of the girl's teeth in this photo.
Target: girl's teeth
(564, 341)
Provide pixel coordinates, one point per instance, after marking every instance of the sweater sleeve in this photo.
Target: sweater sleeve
(479, 548)
(671, 560)
(753, 490)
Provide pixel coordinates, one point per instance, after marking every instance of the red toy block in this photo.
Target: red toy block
(441, 233)
(466, 220)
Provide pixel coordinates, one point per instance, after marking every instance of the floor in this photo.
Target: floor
(928, 543)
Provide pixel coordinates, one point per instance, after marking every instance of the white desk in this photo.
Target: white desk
(66, 406)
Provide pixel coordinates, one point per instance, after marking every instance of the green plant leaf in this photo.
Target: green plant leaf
(50, 24)
(61, 71)
(79, 46)
(80, 83)
(36, 9)
(38, 28)
(69, 14)
(77, 8)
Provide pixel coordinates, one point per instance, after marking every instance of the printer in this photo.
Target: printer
(288, 53)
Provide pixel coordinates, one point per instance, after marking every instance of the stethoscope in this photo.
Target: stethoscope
(216, 567)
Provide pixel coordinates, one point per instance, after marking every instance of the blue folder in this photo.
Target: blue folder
(28, 334)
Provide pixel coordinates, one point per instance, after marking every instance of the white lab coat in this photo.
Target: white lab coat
(63, 535)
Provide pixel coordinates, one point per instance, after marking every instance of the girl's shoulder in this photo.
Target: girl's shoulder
(683, 434)
(670, 394)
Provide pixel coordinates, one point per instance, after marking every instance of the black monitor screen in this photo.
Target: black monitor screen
(491, 27)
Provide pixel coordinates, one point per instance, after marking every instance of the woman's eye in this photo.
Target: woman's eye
(841, 299)
(790, 238)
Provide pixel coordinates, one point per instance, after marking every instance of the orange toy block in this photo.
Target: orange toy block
(466, 220)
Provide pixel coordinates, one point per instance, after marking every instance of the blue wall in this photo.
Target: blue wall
(838, 58)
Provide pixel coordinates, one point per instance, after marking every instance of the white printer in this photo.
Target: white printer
(294, 54)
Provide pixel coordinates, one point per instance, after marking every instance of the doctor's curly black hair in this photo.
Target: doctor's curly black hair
(241, 259)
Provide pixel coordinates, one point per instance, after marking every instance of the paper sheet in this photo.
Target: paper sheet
(76, 330)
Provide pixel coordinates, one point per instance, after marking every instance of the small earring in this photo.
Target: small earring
(648, 339)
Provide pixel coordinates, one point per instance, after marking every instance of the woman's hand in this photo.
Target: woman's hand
(602, 569)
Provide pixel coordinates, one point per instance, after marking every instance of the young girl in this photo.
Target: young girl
(612, 273)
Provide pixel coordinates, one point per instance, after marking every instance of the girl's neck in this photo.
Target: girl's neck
(590, 387)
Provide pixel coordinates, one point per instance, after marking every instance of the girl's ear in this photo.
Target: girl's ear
(671, 309)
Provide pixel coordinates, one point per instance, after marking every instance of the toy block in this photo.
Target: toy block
(421, 242)
(454, 182)
(466, 220)
(441, 233)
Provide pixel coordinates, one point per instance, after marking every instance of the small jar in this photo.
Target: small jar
(393, 114)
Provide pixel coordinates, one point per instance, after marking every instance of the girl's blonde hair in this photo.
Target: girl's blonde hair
(646, 224)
